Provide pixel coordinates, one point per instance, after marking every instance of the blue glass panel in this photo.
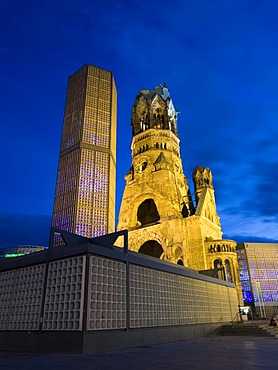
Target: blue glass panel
(247, 297)
(267, 297)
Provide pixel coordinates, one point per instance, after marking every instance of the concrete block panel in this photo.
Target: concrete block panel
(21, 298)
(64, 296)
(106, 294)
(143, 299)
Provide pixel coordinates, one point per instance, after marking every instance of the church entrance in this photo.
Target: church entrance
(151, 248)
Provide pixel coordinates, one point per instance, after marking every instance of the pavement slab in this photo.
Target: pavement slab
(213, 352)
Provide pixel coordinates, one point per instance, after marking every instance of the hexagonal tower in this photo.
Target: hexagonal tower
(157, 208)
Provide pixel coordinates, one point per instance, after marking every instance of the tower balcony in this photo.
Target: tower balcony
(218, 246)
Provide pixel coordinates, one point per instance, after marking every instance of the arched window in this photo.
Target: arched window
(228, 271)
(180, 262)
(220, 273)
(184, 211)
(147, 212)
(151, 248)
(144, 166)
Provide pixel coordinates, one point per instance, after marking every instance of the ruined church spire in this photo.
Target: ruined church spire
(154, 109)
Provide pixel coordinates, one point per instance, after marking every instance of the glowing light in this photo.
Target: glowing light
(10, 255)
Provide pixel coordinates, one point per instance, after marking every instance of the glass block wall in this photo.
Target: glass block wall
(64, 296)
(159, 298)
(107, 294)
(85, 187)
(258, 269)
(21, 293)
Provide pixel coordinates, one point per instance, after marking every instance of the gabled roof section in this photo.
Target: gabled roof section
(206, 206)
(161, 159)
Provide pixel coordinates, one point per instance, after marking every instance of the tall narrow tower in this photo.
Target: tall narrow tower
(85, 189)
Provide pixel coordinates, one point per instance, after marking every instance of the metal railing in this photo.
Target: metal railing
(236, 320)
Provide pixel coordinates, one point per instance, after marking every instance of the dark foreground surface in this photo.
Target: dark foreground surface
(215, 352)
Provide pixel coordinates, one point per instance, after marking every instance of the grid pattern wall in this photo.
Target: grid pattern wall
(263, 266)
(224, 304)
(186, 301)
(21, 298)
(143, 297)
(106, 294)
(97, 117)
(167, 299)
(85, 199)
(111, 195)
(213, 303)
(244, 276)
(202, 302)
(113, 131)
(101, 187)
(65, 196)
(73, 116)
(63, 309)
(202, 299)
(84, 202)
(156, 298)
(162, 299)
(112, 164)
(92, 215)
(233, 299)
(263, 270)
(6, 295)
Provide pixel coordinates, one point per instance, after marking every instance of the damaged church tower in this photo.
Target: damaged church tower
(163, 219)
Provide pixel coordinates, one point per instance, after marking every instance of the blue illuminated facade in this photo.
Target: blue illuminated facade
(258, 272)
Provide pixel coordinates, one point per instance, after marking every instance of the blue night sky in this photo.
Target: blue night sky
(219, 59)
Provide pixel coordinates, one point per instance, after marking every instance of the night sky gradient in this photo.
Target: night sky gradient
(219, 59)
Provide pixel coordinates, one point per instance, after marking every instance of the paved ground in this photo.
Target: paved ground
(215, 352)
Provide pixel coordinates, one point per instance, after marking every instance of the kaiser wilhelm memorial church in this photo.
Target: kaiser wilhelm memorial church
(163, 218)
(165, 275)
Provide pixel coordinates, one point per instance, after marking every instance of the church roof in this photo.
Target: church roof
(158, 90)
(161, 159)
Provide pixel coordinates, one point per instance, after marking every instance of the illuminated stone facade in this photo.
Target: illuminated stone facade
(85, 189)
(163, 218)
